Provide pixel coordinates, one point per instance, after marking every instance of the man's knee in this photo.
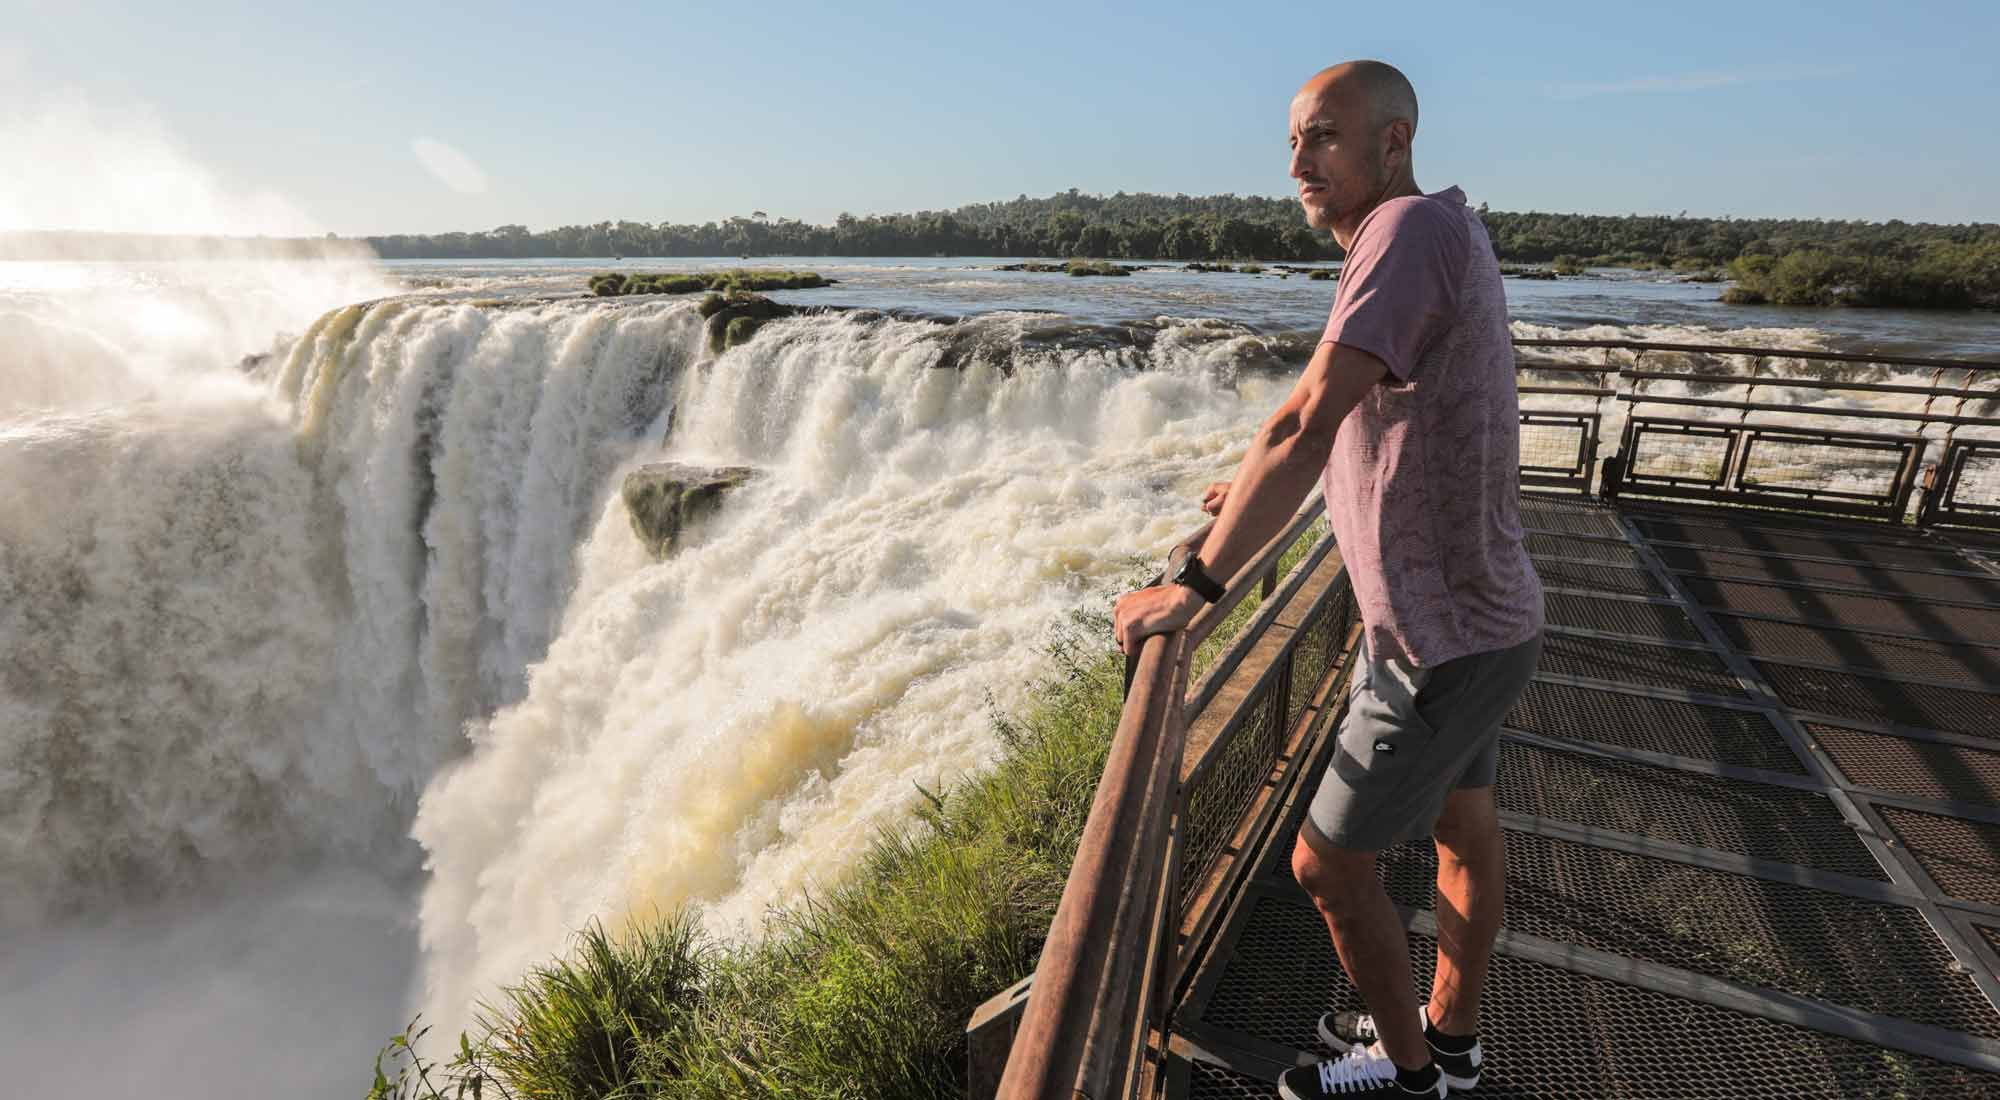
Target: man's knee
(1469, 825)
(1337, 878)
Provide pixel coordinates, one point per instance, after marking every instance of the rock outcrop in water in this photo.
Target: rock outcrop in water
(612, 284)
(663, 498)
(734, 318)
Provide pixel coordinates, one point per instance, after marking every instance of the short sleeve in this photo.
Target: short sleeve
(1400, 283)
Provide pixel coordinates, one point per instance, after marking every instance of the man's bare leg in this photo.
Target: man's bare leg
(1368, 934)
(1471, 885)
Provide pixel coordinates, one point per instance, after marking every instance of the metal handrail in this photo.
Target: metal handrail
(1084, 1020)
(1731, 349)
(1097, 991)
(1625, 381)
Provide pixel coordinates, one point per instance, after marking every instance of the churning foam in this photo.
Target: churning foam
(726, 728)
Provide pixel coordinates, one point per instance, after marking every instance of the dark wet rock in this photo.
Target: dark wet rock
(735, 317)
(663, 498)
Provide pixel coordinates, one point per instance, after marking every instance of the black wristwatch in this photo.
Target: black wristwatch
(1190, 573)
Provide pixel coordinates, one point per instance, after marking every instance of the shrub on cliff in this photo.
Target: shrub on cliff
(1941, 276)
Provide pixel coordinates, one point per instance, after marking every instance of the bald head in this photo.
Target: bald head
(1378, 85)
(1351, 129)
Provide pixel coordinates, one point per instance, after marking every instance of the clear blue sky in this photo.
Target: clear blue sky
(696, 112)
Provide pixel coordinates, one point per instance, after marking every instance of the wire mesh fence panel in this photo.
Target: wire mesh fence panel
(1318, 650)
(1222, 788)
(1864, 954)
(1978, 480)
(1969, 488)
(1214, 801)
(1693, 456)
(1791, 464)
(1763, 463)
(1557, 447)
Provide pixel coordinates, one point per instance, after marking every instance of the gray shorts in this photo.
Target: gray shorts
(1412, 736)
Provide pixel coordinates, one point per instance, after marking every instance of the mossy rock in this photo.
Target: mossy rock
(663, 499)
(1323, 274)
(737, 316)
(740, 330)
(734, 279)
(1096, 267)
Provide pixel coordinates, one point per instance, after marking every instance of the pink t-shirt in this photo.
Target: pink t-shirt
(1423, 485)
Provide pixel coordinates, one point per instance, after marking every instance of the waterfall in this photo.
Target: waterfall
(239, 636)
(725, 728)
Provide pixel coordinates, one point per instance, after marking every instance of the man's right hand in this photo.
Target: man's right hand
(1211, 501)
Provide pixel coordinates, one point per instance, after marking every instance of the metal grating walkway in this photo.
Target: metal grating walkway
(1753, 814)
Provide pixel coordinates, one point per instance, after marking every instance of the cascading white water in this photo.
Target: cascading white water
(238, 638)
(238, 634)
(724, 728)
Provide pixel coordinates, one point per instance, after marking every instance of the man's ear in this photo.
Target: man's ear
(1397, 138)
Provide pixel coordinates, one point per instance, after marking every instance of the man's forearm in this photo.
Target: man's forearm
(1287, 456)
(1284, 462)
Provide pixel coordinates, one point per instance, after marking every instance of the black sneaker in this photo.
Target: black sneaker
(1342, 1030)
(1364, 1071)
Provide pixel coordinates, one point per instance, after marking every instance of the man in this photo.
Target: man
(1409, 415)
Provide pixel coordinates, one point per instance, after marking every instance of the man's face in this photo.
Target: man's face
(1337, 155)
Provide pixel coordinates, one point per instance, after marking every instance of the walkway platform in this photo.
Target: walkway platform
(1753, 814)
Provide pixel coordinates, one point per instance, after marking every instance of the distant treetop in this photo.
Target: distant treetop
(1180, 227)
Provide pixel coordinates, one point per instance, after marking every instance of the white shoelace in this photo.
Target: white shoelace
(1362, 1069)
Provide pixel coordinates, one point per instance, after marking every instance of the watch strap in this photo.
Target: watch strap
(1192, 575)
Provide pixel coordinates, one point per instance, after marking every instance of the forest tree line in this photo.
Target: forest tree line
(1179, 227)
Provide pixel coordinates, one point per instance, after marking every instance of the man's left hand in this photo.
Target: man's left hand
(1161, 609)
